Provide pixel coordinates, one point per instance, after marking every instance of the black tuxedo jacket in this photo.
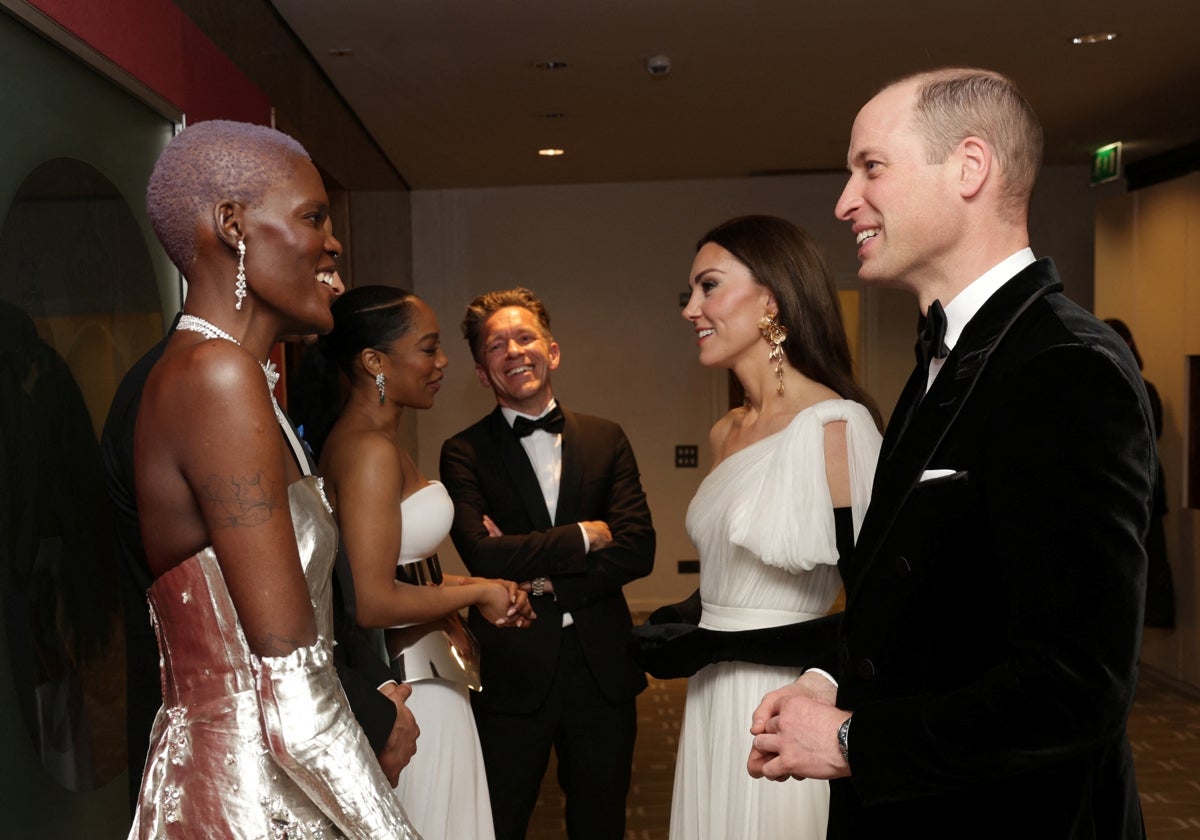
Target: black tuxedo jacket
(487, 471)
(991, 634)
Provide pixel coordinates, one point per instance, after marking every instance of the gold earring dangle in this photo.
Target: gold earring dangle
(775, 334)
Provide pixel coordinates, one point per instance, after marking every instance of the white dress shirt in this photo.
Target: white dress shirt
(545, 455)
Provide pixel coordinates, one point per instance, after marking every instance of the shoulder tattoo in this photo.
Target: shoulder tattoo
(238, 502)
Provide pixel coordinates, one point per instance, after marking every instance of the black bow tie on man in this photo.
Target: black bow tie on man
(931, 335)
(551, 421)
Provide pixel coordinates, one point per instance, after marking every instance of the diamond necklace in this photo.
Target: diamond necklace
(196, 324)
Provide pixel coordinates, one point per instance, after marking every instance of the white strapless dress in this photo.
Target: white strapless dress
(444, 788)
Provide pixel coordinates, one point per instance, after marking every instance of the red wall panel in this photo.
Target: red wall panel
(157, 44)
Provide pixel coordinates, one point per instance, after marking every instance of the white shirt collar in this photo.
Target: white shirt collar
(970, 300)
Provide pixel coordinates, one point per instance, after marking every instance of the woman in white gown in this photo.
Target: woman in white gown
(385, 341)
(792, 472)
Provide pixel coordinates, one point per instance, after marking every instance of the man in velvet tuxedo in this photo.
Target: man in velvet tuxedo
(551, 499)
(987, 656)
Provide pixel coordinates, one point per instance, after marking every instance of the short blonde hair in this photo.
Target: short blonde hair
(953, 103)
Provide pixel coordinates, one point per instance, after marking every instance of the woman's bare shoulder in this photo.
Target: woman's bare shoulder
(359, 456)
(718, 435)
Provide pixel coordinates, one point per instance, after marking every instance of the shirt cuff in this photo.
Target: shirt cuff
(824, 674)
(587, 545)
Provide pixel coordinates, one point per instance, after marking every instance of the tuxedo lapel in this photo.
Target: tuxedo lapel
(515, 461)
(906, 406)
(908, 452)
(570, 485)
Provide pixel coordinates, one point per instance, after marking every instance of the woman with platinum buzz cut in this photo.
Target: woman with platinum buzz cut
(255, 737)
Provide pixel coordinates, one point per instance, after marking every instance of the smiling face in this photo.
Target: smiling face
(517, 360)
(290, 250)
(725, 307)
(900, 207)
(415, 360)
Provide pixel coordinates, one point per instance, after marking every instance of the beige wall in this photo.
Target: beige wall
(1148, 274)
(610, 262)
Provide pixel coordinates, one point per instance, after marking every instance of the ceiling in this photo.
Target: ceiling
(451, 92)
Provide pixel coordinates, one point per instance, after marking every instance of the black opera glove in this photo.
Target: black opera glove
(670, 651)
(686, 611)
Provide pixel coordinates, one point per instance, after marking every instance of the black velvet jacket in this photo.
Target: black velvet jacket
(990, 640)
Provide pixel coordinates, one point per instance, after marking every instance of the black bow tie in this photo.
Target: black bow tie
(931, 335)
(551, 421)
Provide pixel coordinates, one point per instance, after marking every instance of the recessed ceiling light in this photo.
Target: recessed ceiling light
(1095, 38)
(551, 152)
(551, 65)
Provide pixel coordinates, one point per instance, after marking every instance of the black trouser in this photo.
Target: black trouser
(593, 742)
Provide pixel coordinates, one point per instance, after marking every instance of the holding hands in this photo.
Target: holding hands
(598, 536)
(501, 602)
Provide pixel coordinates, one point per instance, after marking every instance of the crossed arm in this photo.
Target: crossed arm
(620, 545)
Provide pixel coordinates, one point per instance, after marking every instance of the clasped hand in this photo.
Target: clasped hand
(504, 603)
(795, 733)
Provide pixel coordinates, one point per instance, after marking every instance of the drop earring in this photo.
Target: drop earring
(240, 286)
(381, 384)
(775, 334)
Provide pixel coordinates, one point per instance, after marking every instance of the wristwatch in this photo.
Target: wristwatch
(843, 737)
(537, 587)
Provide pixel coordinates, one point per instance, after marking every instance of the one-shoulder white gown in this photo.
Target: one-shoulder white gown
(762, 522)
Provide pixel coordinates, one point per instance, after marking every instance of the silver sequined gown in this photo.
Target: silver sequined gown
(210, 772)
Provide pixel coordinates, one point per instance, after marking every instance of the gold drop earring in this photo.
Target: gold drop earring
(775, 334)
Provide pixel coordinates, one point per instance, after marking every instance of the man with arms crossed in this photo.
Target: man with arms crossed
(987, 656)
(551, 498)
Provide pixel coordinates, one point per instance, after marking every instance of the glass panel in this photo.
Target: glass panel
(85, 292)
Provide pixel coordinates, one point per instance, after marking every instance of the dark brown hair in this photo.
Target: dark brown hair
(786, 260)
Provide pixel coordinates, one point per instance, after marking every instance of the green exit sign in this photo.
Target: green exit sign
(1106, 164)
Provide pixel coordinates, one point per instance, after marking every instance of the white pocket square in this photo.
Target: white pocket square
(930, 475)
